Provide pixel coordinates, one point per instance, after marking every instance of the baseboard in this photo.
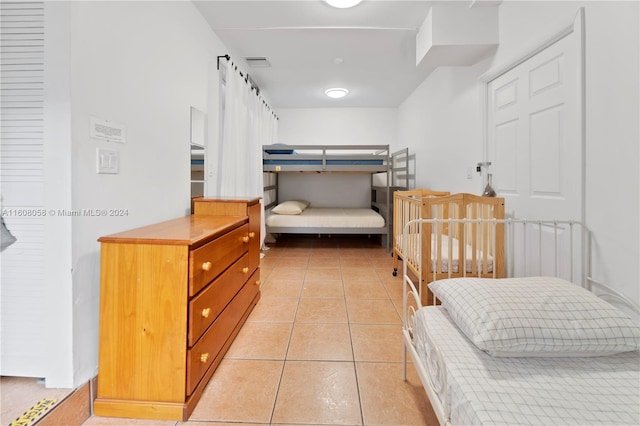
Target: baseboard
(74, 410)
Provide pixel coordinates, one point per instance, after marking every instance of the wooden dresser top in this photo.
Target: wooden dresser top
(229, 199)
(193, 230)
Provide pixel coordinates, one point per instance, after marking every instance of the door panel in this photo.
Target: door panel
(506, 95)
(546, 143)
(534, 134)
(506, 158)
(546, 76)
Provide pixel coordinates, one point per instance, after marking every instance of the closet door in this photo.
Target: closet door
(535, 133)
(535, 145)
(22, 271)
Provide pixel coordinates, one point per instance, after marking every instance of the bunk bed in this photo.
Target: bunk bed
(389, 172)
(530, 348)
(451, 248)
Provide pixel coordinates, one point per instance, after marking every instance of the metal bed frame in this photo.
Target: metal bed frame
(533, 247)
(368, 159)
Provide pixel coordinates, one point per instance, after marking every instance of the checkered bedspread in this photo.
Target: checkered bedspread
(482, 389)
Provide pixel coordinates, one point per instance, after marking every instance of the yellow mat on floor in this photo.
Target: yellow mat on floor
(34, 413)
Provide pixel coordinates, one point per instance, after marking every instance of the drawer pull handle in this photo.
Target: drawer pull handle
(206, 312)
(206, 266)
(245, 239)
(245, 270)
(257, 282)
(204, 357)
(252, 234)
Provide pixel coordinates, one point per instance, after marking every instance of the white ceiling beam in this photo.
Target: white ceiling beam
(453, 36)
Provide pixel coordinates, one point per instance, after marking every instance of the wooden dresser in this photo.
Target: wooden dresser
(235, 207)
(173, 296)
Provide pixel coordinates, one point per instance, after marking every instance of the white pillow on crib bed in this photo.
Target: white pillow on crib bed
(291, 207)
(536, 316)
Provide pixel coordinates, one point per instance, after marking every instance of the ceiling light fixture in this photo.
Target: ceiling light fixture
(336, 92)
(343, 4)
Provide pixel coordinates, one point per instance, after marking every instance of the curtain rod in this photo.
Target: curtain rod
(248, 80)
(227, 57)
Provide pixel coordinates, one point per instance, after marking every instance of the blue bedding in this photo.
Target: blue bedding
(329, 162)
(288, 156)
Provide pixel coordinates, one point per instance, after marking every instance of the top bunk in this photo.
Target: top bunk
(327, 158)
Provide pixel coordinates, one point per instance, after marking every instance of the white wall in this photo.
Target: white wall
(334, 126)
(347, 190)
(337, 126)
(146, 74)
(58, 333)
(440, 124)
(436, 122)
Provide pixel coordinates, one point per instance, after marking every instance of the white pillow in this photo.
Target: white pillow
(536, 316)
(291, 207)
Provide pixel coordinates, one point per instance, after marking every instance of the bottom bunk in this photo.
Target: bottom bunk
(296, 217)
(547, 345)
(315, 220)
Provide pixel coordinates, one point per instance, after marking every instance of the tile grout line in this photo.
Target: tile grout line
(353, 353)
(286, 353)
(355, 368)
(349, 324)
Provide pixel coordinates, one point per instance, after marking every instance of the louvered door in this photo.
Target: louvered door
(23, 284)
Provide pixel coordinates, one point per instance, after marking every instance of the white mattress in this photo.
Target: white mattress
(328, 218)
(444, 254)
(481, 389)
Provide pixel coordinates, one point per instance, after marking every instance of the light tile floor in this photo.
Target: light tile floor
(19, 394)
(322, 347)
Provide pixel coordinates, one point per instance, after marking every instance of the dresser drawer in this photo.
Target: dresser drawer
(208, 261)
(205, 352)
(206, 306)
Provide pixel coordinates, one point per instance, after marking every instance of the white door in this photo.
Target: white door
(25, 348)
(535, 134)
(534, 144)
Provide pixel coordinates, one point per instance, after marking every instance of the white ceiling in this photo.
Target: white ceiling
(302, 39)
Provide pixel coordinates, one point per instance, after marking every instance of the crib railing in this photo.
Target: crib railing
(408, 206)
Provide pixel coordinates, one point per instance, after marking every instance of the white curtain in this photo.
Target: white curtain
(248, 124)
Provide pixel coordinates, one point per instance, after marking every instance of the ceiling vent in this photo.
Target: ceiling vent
(257, 62)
